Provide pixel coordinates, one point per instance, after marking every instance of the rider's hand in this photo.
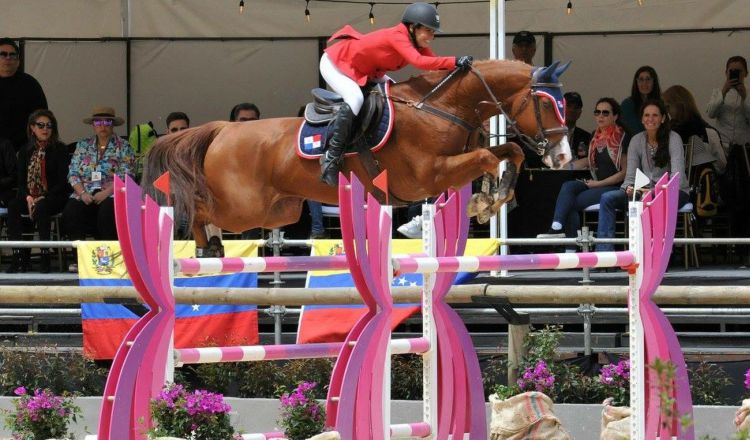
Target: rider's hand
(464, 62)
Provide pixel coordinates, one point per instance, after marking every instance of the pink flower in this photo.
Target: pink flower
(747, 379)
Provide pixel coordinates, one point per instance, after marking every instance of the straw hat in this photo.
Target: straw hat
(103, 112)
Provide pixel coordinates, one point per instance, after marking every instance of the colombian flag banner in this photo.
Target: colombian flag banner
(331, 323)
(197, 325)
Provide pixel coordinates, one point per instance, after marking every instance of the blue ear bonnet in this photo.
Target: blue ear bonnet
(546, 83)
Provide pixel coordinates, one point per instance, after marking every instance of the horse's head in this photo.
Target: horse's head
(538, 116)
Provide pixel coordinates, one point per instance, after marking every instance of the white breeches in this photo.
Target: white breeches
(341, 84)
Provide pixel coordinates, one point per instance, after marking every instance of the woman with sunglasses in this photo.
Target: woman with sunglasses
(655, 151)
(42, 187)
(606, 161)
(95, 163)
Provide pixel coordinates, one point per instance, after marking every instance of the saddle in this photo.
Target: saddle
(325, 105)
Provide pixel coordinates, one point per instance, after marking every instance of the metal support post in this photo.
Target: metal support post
(587, 311)
(585, 240)
(277, 312)
(276, 243)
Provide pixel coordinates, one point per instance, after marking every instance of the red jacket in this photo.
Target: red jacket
(363, 56)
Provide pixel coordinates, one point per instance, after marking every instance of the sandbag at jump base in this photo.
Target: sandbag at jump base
(742, 417)
(615, 422)
(526, 416)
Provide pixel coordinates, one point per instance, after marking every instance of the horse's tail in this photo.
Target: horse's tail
(183, 155)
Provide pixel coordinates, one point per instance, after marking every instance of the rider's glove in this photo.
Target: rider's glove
(464, 62)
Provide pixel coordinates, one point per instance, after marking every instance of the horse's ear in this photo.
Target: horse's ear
(544, 74)
(561, 69)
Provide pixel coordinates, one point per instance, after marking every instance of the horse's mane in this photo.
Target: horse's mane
(427, 80)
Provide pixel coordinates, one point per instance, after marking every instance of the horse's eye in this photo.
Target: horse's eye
(546, 104)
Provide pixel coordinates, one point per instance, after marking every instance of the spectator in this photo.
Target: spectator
(20, 94)
(177, 121)
(645, 86)
(655, 151)
(579, 138)
(42, 187)
(729, 105)
(524, 47)
(245, 111)
(607, 160)
(688, 123)
(96, 161)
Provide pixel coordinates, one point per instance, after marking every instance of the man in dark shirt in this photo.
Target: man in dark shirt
(20, 94)
(578, 138)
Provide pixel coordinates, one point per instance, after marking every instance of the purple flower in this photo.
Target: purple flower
(747, 379)
(538, 378)
(20, 391)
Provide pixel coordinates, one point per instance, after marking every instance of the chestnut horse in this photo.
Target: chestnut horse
(240, 176)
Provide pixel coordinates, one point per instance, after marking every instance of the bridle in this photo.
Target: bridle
(539, 143)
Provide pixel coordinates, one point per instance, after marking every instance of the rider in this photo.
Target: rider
(349, 64)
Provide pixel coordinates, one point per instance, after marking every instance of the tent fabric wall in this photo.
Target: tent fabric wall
(285, 18)
(76, 76)
(206, 78)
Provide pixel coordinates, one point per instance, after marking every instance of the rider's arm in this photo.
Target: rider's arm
(412, 56)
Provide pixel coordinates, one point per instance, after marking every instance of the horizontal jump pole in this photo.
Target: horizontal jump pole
(249, 353)
(194, 266)
(461, 294)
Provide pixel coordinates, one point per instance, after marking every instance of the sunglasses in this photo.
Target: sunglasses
(42, 125)
(176, 129)
(9, 55)
(602, 112)
(102, 122)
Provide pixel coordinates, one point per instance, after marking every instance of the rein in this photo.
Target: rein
(539, 143)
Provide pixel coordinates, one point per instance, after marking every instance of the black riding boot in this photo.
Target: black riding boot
(44, 261)
(330, 162)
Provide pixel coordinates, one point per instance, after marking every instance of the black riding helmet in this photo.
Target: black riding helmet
(422, 13)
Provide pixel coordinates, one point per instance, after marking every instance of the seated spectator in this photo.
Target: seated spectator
(42, 187)
(96, 161)
(655, 151)
(243, 112)
(607, 160)
(645, 86)
(688, 123)
(177, 121)
(579, 138)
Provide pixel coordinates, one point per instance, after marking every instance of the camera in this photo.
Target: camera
(734, 75)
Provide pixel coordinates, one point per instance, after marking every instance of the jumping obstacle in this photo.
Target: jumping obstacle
(358, 400)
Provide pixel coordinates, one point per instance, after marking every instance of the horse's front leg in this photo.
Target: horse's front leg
(514, 155)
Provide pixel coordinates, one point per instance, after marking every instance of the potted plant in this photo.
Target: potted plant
(41, 415)
(197, 415)
(302, 416)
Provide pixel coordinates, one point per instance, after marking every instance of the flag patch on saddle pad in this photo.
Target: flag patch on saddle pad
(311, 143)
(311, 139)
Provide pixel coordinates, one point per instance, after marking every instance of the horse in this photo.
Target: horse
(239, 176)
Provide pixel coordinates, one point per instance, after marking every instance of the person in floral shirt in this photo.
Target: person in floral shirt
(96, 161)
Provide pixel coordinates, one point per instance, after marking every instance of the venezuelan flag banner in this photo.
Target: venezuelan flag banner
(197, 325)
(331, 323)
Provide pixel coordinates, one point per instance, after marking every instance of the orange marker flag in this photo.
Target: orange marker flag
(162, 184)
(381, 182)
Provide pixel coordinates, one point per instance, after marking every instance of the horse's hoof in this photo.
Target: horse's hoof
(478, 203)
(484, 216)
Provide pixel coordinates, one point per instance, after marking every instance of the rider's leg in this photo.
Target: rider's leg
(330, 163)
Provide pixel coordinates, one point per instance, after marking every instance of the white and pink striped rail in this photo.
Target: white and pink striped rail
(409, 264)
(404, 430)
(249, 353)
